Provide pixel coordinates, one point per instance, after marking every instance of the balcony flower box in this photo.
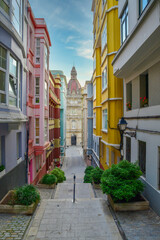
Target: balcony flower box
(140, 203)
(5, 207)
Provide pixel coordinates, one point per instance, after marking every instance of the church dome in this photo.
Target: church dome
(73, 84)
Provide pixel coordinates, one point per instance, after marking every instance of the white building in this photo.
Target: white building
(138, 63)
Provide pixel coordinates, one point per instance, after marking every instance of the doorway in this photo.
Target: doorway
(73, 140)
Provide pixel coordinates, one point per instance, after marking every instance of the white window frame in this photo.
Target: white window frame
(104, 38)
(3, 70)
(104, 79)
(46, 93)
(124, 21)
(107, 156)
(38, 50)
(37, 86)
(37, 127)
(45, 130)
(19, 21)
(104, 114)
(15, 78)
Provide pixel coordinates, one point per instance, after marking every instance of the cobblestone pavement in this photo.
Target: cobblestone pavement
(13, 226)
(139, 225)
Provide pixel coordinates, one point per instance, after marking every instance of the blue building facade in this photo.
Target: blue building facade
(63, 92)
(13, 71)
(90, 118)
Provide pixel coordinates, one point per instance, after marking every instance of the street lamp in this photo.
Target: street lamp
(122, 127)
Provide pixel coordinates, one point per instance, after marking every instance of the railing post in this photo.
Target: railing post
(74, 188)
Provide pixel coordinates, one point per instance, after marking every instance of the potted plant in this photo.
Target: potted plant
(129, 105)
(121, 183)
(2, 170)
(88, 174)
(22, 200)
(48, 181)
(59, 173)
(144, 101)
(96, 177)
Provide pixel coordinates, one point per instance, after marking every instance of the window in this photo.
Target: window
(19, 145)
(73, 124)
(159, 168)
(129, 96)
(107, 156)
(104, 119)
(94, 120)
(38, 50)
(112, 157)
(144, 90)
(3, 67)
(45, 130)
(124, 24)
(142, 157)
(128, 149)
(46, 58)
(17, 15)
(5, 6)
(2, 150)
(37, 131)
(94, 92)
(37, 90)
(104, 79)
(46, 94)
(104, 37)
(13, 81)
(142, 5)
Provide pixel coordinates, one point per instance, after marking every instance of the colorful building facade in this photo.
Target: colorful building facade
(38, 44)
(107, 89)
(138, 63)
(84, 121)
(74, 111)
(53, 151)
(13, 119)
(63, 93)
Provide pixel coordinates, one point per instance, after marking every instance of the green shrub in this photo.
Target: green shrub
(49, 179)
(87, 178)
(26, 195)
(121, 181)
(96, 175)
(2, 167)
(88, 169)
(59, 174)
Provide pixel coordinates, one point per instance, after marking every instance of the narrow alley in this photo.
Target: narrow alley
(60, 218)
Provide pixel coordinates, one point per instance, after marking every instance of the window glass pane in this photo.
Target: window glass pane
(12, 86)
(2, 81)
(37, 100)
(12, 101)
(13, 66)
(16, 15)
(4, 6)
(2, 98)
(37, 90)
(3, 56)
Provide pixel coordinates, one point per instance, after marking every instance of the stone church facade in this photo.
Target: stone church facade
(74, 111)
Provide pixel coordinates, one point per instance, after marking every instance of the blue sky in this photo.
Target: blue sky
(70, 27)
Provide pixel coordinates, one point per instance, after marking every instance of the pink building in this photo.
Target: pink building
(37, 95)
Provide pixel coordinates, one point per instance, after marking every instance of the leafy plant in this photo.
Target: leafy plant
(129, 105)
(87, 178)
(2, 167)
(121, 181)
(96, 175)
(49, 179)
(59, 174)
(26, 195)
(88, 169)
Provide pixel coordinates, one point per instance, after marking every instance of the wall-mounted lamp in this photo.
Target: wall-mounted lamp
(122, 125)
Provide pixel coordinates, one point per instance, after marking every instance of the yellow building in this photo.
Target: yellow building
(107, 89)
